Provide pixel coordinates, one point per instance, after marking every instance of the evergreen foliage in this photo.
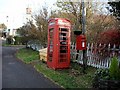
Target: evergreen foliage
(114, 69)
(115, 8)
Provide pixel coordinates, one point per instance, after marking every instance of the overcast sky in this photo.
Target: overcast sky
(16, 10)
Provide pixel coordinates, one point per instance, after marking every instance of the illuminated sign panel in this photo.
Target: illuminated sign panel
(61, 22)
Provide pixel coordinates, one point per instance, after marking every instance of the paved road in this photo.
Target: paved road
(16, 74)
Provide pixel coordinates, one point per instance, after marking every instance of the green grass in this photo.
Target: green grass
(5, 44)
(67, 78)
(27, 55)
(10, 45)
(56, 76)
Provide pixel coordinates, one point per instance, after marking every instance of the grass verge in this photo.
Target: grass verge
(67, 78)
(27, 55)
(5, 44)
(10, 45)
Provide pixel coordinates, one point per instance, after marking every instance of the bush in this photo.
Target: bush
(111, 36)
(114, 69)
(100, 74)
(9, 40)
(108, 78)
(18, 40)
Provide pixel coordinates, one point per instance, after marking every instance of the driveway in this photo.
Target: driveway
(16, 74)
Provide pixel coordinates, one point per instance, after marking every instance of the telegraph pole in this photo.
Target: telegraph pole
(83, 32)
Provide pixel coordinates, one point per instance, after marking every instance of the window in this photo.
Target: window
(50, 51)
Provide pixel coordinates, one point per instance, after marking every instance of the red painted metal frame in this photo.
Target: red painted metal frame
(56, 59)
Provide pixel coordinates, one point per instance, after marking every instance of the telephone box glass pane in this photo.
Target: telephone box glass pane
(63, 37)
(50, 47)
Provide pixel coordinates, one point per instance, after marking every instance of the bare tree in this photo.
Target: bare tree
(42, 25)
(96, 20)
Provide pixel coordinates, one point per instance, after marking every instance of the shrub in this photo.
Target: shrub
(108, 78)
(18, 40)
(111, 36)
(114, 69)
(9, 40)
(100, 74)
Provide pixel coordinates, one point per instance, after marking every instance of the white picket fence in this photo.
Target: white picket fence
(98, 55)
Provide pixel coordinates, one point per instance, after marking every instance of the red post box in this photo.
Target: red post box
(80, 42)
(58, 48)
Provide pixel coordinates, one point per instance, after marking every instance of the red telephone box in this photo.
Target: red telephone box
(80, 42)
(58, 52)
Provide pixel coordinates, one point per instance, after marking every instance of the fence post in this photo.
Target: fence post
(108, 61)
(119, 56)
(109, 47)
(95, 60)
(88, 47)
(114, 50)
(91, 48)
(91, 55)
(72, 50)
(119, 51)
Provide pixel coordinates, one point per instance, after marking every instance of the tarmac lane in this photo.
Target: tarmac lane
(16, 74)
